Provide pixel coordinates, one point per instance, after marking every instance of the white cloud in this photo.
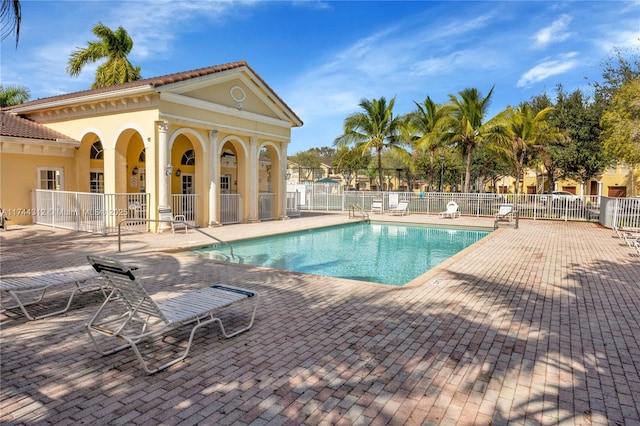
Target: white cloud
(554, 33)
(548, 68)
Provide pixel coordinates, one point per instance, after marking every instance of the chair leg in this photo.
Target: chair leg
(200, 323)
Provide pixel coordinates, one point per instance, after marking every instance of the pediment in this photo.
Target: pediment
(238, 90)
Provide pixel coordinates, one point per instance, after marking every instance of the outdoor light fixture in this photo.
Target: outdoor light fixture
(288, 175)
(134, 171)
(178, 172)
(168, 170)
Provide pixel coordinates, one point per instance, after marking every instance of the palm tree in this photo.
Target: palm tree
(374, 129)
(112, 46)
(428, 127)
(518, 131)
(468, 112)
(13, 95)
(10, 17)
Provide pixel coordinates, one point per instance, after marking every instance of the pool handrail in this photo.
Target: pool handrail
(353, 208)
(189, 226)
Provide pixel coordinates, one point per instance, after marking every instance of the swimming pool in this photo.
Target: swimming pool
(375, 252)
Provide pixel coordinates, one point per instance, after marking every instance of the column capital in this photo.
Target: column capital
(163, 126)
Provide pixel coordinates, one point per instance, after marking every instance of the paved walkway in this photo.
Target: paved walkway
(538, 325)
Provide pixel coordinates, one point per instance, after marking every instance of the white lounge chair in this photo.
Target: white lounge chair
(401, 209)
(376, 206)
(22, 290)
(178, 221)
(505, 213)
(451, 211)
(394, 199)
(141, 318)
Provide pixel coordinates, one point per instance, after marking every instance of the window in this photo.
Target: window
(96, 182)
(188, 158)
(97, 152)
(50, 179)
(225, 184)
(187, 183)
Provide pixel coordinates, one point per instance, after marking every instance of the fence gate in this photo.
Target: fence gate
(230, 208)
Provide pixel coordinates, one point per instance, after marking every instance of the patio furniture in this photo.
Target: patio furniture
(451, 211)
(376, 206)
(21, 288)
(505, 213)
(131, 314)
(394, 197)
(401, 209)
(178, 221)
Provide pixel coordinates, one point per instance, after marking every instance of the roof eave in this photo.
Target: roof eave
(88, 98)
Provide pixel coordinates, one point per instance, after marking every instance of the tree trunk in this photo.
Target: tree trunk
(467, 175)
(379, 154)
(432, 155)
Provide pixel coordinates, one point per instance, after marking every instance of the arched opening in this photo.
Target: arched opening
(187, 187)
(91, 167)
(96, 168)
(234, 185)
(270, 182)
(130, 172)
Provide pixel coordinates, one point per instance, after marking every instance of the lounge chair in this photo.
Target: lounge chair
(636, 245)
(505, 213)
(178, 221)
(393, 200)
(376, 206)
(451, 211)
(20, 291)
(141, 318)
(401, 209)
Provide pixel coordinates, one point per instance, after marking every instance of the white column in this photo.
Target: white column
(253, 169)
(282, 187)
(214, 179)
(164, 175)
(599, 188)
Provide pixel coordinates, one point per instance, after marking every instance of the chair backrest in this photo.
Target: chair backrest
(402, 205)
(125, 285)
(164, 212)
(393, 200)
(505, 209)
(452, 206)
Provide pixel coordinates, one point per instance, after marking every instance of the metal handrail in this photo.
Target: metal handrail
(170, 221)
(353, 208)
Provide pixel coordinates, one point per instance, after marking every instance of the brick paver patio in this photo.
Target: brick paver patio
(538, 325)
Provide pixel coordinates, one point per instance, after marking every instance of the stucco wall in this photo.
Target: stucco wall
(20, 177)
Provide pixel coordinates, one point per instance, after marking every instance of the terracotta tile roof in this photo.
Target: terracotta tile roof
(155, 82)
(19, 127)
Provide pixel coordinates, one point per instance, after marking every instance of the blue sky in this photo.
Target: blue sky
(323, 57)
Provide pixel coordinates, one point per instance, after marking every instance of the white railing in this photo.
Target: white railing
(187, 205)
(530, 206)
(230, 208)
(267, 206)
(293, 203)
(91, 212)
(621, 213)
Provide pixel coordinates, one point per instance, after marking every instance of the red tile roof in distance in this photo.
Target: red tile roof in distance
(19, 127)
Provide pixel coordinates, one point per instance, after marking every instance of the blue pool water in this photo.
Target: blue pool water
(381, 253)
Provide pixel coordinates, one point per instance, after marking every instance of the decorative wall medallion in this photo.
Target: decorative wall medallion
(238, 95)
